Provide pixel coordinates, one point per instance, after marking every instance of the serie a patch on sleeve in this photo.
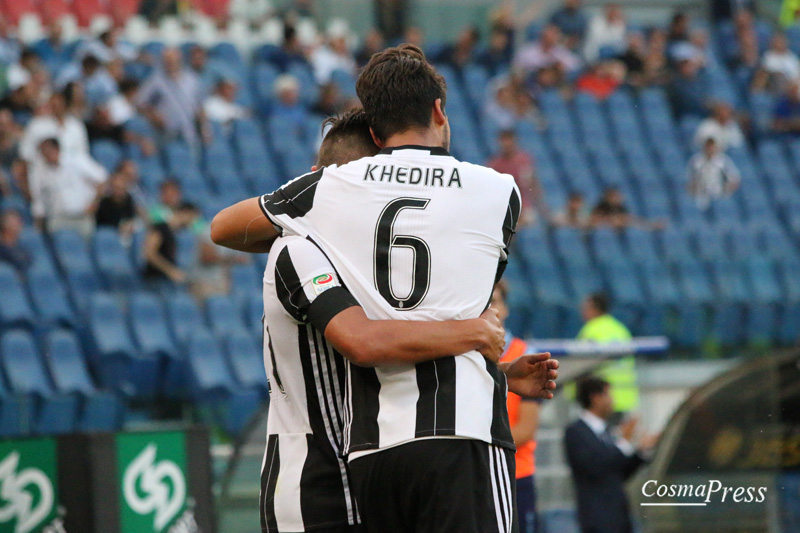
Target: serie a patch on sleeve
(322, 283)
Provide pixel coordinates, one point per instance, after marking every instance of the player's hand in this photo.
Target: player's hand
(628, 427)
(495, 341)
(532, 376)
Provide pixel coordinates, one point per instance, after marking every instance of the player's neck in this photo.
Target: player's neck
(427, 137)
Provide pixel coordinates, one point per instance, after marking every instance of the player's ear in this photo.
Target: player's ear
(378, 142)
(439, 116)
(314, 168)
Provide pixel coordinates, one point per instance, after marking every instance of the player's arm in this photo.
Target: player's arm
(368, 342)
(244, 227)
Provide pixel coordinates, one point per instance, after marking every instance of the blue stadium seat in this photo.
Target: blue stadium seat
(693, 279)
(584, 279)
(729, 280)
(100, 410)
(55, 413)
(16, 310)
(245, 280)
(33, 241)
(569, 244)
(50, 300)
(117, 362)
(675, 244)
(710, 242)
(742, 242)
(185, 318)
(12, 410)
(113, 260)
(186, 255)
(624, 285)
(549, 286)
(765, 288)
(346, 82)
(246, 362)
(641, 246)
(223, 316)
(76, 264)
(606, 246)
(183, 166)
(107, 153)
(148, 324)
(659, 284)
(264, 76)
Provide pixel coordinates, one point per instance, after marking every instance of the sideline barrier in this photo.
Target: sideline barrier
(130, 482)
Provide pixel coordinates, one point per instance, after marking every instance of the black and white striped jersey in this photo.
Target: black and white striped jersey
(304, 480)
(414, 234)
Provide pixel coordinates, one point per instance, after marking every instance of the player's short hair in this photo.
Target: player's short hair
(348, 139)
(600, 301)
(398, 88)
(589, 387)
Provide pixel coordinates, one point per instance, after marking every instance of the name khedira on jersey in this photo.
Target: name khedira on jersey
(428, 177)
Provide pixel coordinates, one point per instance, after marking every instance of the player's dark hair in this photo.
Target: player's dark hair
(348, 139)
(600, 302)
(589, 387)
(398, 88)
(50, 141)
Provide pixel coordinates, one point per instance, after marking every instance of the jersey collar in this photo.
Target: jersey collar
(434, 150)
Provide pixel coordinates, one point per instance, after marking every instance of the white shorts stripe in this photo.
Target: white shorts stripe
(506, 483)
(495, 491)
(292, 450)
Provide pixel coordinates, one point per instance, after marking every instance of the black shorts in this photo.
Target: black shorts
(437, 486)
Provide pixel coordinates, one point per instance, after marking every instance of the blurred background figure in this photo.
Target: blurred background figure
(160, 249)
(221, 106)
(511, 159)
(117, 208)
(712, 174)
(601, 462)
(523, 415)
(12, 251)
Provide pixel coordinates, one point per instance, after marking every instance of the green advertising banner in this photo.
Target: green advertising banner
(28, 486)
(152, 476)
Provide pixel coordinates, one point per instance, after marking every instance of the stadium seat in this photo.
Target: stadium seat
(641, 246)
(185, 318)
(100, 410)
(245, 280)
(765, 288)
(113, 261)
(606, 247)
(246, 362)
(12, 412)
(54, 413)
(570, 246)
(223, 316)
(148, 324)
(660, 285)
(116, 361)
(33, 241)
(76, 264)
(729, 281)
(50, 300)
(107, 153)
(694, 281)
(16, 310)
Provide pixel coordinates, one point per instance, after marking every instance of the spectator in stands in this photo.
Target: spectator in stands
(107, 47)
(198, 64)
(291, 50)
(171, 98)
(414, 35)
(75, 100)
(722, 126)
(572, 21)
(373, 43)
(689, 88)
(786, 117)
(606, 32)
(496, 56)
(678, 30)
(329, 102)
(211, 271)
(602, 79)
(511, 159)
(153, 10)
(64, 189)
(222, 107)
(333, 55)
(712, 174)
(170, 197)
(11, 249)
(52, 50)
(96, 80)
(633, 58)
(780, 63)
(160, 248)
(510, 103)
(288, 107)
(10, 135)
(117, 208)
(9, 45)
(611, 210)
(391, 17)
(601, 462)
(574, 215)
(53, 120)
(462, 52)
(656, 68)
(121, 107)
(545, 52)
(20, 99)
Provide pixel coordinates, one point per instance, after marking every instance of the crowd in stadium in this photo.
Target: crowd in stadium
(631, 145)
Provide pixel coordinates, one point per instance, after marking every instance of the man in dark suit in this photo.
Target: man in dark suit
(600, 462)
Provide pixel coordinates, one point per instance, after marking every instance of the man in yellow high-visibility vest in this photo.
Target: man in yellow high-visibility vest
(600, 326)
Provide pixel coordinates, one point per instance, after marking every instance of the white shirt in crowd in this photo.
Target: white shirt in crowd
(120, 109)
(603, 32)
(66, 190)
(71, 135)
(784, 63)
(726, 135)
(710, 176)
(325, 61)
(218, 109)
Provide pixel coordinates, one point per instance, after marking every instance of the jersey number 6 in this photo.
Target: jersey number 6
(385, 240)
